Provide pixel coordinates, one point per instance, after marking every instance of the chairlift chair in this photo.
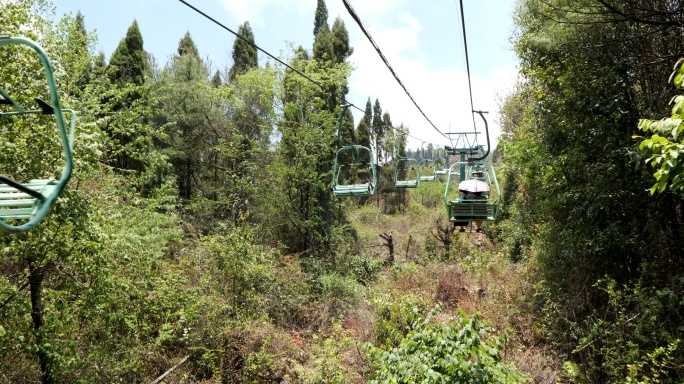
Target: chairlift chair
(441, 161)
(427, 166)
(405, 169)
(460, 208)
(351, 163)
(24, 205)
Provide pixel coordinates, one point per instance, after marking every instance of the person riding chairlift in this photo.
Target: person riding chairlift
(476, 175)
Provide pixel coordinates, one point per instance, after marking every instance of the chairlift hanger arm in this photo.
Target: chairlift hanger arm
(484, 156)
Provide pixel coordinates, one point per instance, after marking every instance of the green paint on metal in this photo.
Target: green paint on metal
(19, 211)
(361, 159)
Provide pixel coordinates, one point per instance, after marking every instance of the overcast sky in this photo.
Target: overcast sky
(421, 39)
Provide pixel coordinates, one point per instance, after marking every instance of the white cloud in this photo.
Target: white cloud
(241, 10)
(442, 93)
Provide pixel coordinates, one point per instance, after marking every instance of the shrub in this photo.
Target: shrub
(464, 351)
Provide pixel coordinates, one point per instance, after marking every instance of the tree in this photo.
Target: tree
(589, 74)
(321, 17)
(340, 41)
(303, 210)
(323, 49)
(244, 52)
(363, 133)
(216, 80)
(187, 46)
(30, 326)
(348, 134)
(389, 141)
(127, 65)
(76, 57)
(377, 132)
(667, 142)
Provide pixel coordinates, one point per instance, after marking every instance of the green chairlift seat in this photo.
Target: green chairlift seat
(441, 162)
(24, 205)
(426, 166)
(461, 209)
(405, 166)
(480, 208)
(432, 177)
(353, 162)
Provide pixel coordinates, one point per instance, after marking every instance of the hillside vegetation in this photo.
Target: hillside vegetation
(199, 232)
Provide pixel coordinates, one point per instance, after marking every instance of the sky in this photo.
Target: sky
(422, 40)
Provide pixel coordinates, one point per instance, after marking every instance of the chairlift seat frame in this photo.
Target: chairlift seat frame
(409, 183)
(24, 205)
(357, 151)
(469, 210)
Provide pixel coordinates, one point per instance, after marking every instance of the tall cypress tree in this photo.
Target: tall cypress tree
(216, 80)
(363, 129)
(388, 143)
(323, 45)
(340, 41)
(321, 17)
(187, 46)
(347, 132)
(377, 131)
(244, 53)
(76, 57)
(128, 130)
(129, 61)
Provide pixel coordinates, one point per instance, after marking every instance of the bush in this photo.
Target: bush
(465, 351)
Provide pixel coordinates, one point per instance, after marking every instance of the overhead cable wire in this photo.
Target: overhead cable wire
(260, 49)
(465, 47)
(358, 21)
(277, 59)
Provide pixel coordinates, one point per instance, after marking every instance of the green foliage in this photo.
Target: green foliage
(667, 142)
(464, 351)
(395, 319)
(128, 63)
(241, 270)
(340, 42)
(187, 46)
(642, 316)
(321, 17)
(327, 365)
(363, 130)
(574, 184)
(244, 54)
(323, 48)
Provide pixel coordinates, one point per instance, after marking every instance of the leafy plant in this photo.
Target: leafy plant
(464, 351)
(667, 142)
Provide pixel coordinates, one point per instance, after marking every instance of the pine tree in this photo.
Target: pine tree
(216, 80)
(129, 61)
(321, 18)
(340, 41)
(377, 132)
(323, 45)
(76, 58)
(363, 129)
(99, 65)
(244, 53)
(347, 133)
(187, 46)
(388, 143)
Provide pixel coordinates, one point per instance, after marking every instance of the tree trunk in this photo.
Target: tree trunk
(36, 275)
(389, 243)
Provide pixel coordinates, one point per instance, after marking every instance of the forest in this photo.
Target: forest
(198, 239)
